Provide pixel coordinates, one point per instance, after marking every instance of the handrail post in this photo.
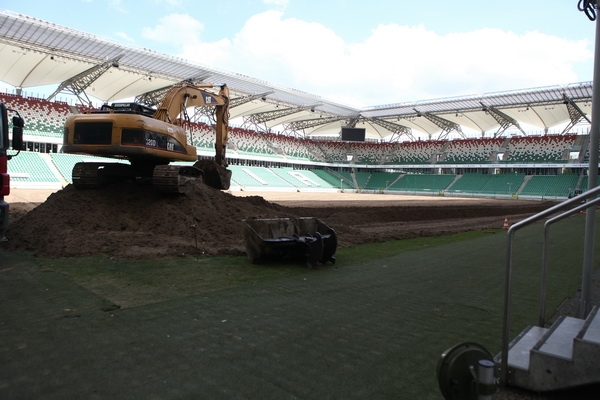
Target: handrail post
(590, 226)
(544, 277)
(507, 307)
(588, 262)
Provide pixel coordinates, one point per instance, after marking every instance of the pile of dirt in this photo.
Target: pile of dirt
(130, 220)
(134, 221)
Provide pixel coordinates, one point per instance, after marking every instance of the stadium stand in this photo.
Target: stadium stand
(422, 183)
(583, 186)
(250, 142)
(421, 152)
(288, 146)
(379, 181)
(361, 178)
(202, 135)
(31, 168)
(336, 152)
(258, 177)
(549, 148)
(64, 164)
(371, 153)
(503, 183)
(469, 183)
(550, 186)
(334, 179)
(44, 118)
(472, 151)
(301, 179)
(412, 163)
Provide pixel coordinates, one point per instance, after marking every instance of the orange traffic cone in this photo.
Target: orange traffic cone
(505, 226)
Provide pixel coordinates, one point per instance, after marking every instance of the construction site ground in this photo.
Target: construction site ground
(133, 221)
(344, 331)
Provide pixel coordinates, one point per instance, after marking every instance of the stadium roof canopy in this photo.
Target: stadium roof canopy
(37, 53)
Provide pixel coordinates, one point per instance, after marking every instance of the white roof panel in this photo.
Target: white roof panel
(38, 53)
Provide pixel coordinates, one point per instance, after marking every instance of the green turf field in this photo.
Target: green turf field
(371, 327)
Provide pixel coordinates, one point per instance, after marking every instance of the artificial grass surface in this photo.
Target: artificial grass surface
(372, 326)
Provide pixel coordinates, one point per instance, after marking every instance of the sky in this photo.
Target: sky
(356, 53)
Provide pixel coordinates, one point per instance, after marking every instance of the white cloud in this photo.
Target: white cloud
(117, 5)
(125, 37)
(278, 3)
(395, 64)
(177, 29)
(214, 55)
(413, 63)
(172, 3)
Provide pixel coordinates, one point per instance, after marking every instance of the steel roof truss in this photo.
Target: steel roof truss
(77, 84)
(154, 97)
(505, 121)
(296, 126)
(258, 120)
(397, 130)
(238, 101)
(575, 114)
(446, 125)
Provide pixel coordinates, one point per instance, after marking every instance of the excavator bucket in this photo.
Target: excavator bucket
(305, 239)
(214, 175)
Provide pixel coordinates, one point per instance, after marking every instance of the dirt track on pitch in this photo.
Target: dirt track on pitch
(133, 221)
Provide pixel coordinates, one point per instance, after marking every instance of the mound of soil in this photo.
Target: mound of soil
(130, 220)
(134, 221)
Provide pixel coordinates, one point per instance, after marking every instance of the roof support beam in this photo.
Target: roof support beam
(154, 97)
(297, 126)
(501, 118)
(77, 84)
(575, 114)
(238, 101)
(446, 125)
(208, 112)
(258, 119)
(352, 122)
(397, 130)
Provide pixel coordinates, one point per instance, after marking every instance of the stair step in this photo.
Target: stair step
(559, 339)
(563, 356)
(518, 354)
(592, 333)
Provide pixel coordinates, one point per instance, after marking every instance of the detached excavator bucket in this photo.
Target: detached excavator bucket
(305, 239)
(214, 175)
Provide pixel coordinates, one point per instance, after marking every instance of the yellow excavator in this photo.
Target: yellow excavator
(149, 139)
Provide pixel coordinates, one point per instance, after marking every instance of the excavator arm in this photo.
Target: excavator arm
(222, 117)
(183, 96)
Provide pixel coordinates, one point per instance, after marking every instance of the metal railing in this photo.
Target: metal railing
(575, 201)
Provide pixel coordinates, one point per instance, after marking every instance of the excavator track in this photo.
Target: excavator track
(91, 174)
(85, 175)
(170, 178)
(165, 178)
